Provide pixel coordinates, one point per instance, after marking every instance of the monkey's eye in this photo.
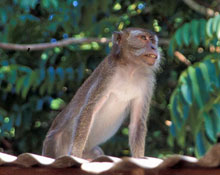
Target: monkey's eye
(152, 39)
(143, 37)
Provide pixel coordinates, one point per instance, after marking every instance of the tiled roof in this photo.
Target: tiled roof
(112, 164)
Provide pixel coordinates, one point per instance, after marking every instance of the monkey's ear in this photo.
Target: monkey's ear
(116, 40)
(116, 37)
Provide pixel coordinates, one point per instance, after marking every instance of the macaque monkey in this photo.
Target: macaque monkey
(122, 84)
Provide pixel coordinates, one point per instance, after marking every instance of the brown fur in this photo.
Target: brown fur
(122, 82)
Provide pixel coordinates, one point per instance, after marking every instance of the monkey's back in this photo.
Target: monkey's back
(67, 118)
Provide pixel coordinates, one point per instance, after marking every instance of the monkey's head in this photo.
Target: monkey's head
(136, 45)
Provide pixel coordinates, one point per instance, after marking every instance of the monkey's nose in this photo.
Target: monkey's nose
(153, 47)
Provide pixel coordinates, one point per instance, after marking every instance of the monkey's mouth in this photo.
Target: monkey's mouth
(151, 56)
(150, 59)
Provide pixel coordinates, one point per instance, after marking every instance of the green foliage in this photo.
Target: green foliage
(196, 33)
(195, 102)
(22, 79)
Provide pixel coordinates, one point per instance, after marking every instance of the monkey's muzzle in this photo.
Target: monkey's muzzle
(150, 59)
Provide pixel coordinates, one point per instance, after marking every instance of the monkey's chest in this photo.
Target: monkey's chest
(111, 115)
(107, 121)
(126, 89)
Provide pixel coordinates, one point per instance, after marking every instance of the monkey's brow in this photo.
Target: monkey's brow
(150, 33)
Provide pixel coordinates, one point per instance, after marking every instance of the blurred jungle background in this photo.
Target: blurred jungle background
(36, 84)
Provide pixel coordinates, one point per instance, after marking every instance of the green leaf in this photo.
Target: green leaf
(212, 72)
(42, 75)
(215, 24)
(210, 127)
(51, 74)
(186, 94)
(3, 15)
(27, 83)
(55, 3)
(43, 88)
(195, 32)
(3, 112)
(45, 3)
(200, 144)
(203, 88)
(195, 87)
(181, 135)
(70, 73)
(184, 108)
(218, 28)
(205, 73)
(60, 73)
(173, 130)
(35, 81)
(172, 47)
(186, 34)
(28, 3)
(1, 118)
(80, 72)
(19, 84)
(18, 120)
(24, 69)
(178, 38)
(12, 76)
(216, 111)
(209, 28)
(175, 112)
(39, 106)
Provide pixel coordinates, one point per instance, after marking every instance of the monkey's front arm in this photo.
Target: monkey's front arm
(85, 121)
(137, 127)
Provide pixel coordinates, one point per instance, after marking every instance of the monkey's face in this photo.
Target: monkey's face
(142, 46)
(136, 45)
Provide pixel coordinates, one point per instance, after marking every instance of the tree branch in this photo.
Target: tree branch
(61, 43)
(200, 9)
(182, 58)
(43, 46)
